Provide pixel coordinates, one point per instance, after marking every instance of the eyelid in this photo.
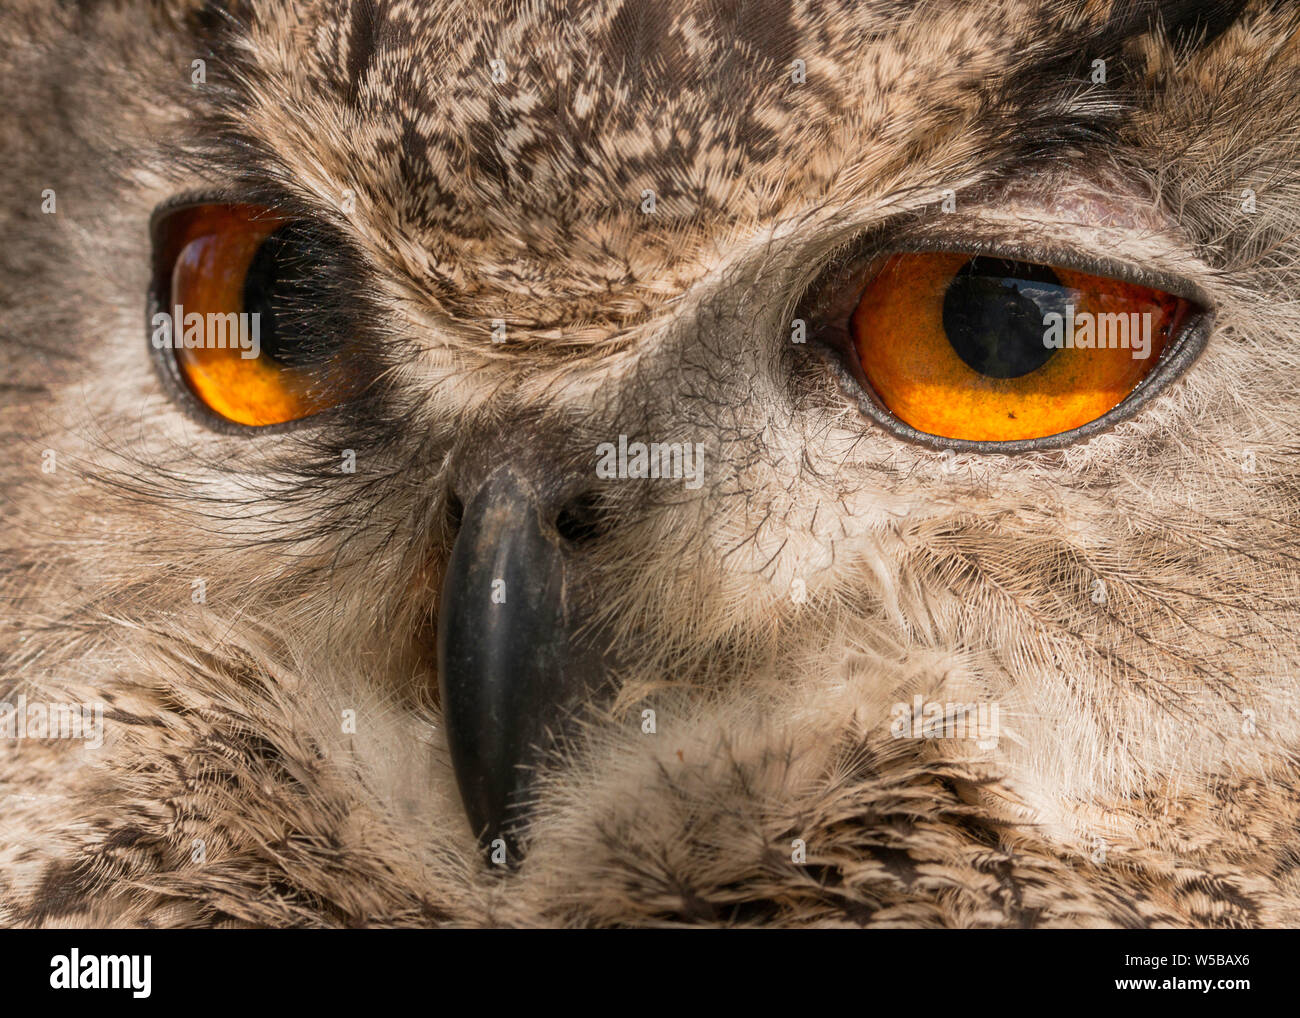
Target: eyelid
(207, 196)
(187, 199)
(1065, 256)
(892, 238)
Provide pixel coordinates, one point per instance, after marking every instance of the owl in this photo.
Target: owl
(611, 463)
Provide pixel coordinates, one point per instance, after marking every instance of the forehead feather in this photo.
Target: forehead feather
(524, 198)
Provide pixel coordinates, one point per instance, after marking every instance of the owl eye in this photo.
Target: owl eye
(234, 307)
(987, 349)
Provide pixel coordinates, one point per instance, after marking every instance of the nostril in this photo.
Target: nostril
(455, 510)
(580, 520)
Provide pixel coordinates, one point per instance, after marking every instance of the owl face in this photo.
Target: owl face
(603, 385)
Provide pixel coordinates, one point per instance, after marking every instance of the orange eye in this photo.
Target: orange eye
(989, 349)
(234, 303)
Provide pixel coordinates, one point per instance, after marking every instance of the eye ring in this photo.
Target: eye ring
(829, 301)
(166, 362)
(1177, 360)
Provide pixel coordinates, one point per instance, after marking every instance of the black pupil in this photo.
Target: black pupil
(277, 289)
(993, 315)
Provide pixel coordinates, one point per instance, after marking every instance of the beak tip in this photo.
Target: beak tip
(493, 807)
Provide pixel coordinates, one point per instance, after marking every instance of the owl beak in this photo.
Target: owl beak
(510, 662)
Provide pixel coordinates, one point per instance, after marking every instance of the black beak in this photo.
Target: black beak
(511, 663)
